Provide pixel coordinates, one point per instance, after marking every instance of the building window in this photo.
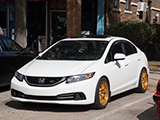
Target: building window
(128, 5)
(116, 4)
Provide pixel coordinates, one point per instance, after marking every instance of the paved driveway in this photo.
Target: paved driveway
(126, 106)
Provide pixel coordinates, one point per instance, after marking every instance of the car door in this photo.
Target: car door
(6, 65)
(132, 63)
(19, 55)
(12, 57)
(116, 70)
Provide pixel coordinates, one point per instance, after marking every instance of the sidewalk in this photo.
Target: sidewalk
(154, 76)
(154, 65)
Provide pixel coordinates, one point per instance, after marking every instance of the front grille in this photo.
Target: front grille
(44, 81)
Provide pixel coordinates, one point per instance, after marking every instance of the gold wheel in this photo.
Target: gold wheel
(103, 93)
(144, 80)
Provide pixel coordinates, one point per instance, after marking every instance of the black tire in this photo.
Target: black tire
(143, 81)
(102, 94)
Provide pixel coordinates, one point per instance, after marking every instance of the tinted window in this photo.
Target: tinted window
(115, 48)
(129, 48)
(76, 50)
(134, 49)
(11, 45)
(1, 47)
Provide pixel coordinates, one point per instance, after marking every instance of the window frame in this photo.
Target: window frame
(110, 56)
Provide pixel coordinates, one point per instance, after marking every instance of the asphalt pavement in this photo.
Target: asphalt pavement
(126, 106)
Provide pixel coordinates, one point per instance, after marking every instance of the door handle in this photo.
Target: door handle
(138, 59)
(126, 64)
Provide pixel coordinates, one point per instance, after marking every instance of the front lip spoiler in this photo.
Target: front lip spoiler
(67, 96)
(156, 98)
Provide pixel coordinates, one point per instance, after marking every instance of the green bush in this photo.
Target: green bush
(145, 36)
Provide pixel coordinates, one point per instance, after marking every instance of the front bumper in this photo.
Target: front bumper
(82, 92)
(156, 98)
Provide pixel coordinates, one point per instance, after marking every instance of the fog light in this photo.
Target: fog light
(77, 96)
(13, 93)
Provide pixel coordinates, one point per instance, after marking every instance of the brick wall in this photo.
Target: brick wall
(155, 11)
(58, 5)
(73, 8)
(121, 14)
(131, 15)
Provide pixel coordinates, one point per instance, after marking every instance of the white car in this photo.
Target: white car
(82, 71)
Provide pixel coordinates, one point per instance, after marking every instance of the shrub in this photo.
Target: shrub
(145, 36)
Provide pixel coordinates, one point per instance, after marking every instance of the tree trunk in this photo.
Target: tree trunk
(20, 22)
(73, 18)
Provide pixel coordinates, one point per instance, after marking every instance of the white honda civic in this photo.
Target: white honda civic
(82, 71)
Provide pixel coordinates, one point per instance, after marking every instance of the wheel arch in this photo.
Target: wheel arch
(144, 67)
(108, 83)
(96, 101)
(140, 88)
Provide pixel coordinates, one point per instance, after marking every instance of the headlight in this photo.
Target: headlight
(77, 78)
(19, 76)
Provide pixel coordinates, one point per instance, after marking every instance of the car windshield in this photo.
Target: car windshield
(11, 45)
(76, 50)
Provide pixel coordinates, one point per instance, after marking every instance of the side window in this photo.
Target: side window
(115, 48)
(129, 48)
(11, 45)
(134, 49)
(128, 5)
(1, 47)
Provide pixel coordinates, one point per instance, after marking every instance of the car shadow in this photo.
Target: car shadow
(122, 95)
(47, 107)
(5, 88)
(149, 114)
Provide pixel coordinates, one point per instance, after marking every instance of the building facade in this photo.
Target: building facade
(129, 11)
(126, 10)
(51, 20)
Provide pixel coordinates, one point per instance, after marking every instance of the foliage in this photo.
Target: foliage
(145, 36)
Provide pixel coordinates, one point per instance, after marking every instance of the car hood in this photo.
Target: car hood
(50, 68)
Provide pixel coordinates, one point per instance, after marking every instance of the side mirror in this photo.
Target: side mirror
(119, 56)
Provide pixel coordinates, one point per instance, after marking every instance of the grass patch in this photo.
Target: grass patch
(154, 65)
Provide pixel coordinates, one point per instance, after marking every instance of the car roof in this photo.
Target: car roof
(95, 37)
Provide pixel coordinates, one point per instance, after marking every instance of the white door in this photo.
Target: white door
(133, 64)
(116, 70)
